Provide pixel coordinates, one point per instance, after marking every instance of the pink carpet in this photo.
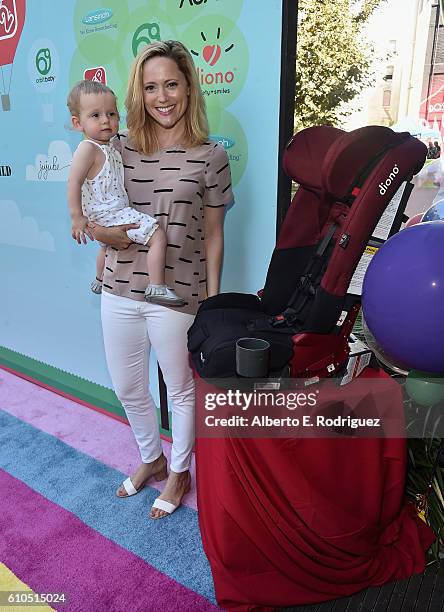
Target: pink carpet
(86, 430)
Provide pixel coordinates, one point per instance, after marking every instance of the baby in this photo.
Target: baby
(96, 189)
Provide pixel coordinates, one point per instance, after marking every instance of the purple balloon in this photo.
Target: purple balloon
(403, 296)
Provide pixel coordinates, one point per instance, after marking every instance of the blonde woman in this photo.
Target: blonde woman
(174, 173)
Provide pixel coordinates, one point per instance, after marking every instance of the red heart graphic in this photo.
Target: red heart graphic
(211, 53)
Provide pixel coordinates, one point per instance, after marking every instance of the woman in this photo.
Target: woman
(174, 173)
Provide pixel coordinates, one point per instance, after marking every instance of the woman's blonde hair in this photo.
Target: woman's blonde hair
(141, 129)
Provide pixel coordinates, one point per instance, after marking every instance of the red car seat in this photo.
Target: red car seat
(346, 181)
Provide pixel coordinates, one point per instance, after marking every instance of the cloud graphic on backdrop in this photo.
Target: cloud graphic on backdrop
(51, 167)
(19, 231)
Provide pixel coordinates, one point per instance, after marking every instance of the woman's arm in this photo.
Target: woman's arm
(112, 236)
(214, 246)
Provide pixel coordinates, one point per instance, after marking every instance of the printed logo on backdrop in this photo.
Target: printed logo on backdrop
(214, 80)
(97, 74)
(43, 61)
(225, 141)
(5, 171)
(192, 2)
(12, 18)
(43, 64)
(51, 166)
(44, 73)
(145, 34)
(221, 57)
(95, 21)
(183, 11)
(8, 19)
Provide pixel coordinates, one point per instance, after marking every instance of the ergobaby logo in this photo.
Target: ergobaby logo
(99, 16)
(384, 185)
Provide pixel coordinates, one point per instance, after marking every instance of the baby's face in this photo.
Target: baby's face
(99, 119)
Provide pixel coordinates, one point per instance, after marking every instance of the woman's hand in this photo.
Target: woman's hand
(113, 236)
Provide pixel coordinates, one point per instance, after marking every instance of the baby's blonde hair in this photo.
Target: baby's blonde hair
(85, 87)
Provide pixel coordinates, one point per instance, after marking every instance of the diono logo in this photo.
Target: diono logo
(384, 185)
(438, 107)
(98, 16)
(211, 54)
(43, 61)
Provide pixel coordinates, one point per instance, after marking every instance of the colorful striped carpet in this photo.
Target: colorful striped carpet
(64, 530)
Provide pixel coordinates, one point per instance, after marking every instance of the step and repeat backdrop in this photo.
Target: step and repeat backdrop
(50, 323)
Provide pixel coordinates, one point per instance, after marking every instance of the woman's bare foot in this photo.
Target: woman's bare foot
(177, 485)
(145, 471)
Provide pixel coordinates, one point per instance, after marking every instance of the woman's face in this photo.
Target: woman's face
(165, 93)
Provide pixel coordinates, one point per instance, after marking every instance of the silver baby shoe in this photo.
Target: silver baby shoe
(163, 295)
(96, 286)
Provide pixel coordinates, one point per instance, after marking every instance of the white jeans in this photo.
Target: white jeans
(130, 328)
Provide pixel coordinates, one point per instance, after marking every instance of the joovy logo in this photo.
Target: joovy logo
(391, 177)
(98, 16)
(8, 19)
(95, 74)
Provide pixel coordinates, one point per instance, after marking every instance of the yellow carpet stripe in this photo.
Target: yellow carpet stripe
(10, 582)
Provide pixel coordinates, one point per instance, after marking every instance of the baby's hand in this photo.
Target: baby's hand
(80, 229)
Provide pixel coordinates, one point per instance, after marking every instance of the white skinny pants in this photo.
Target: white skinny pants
(130, 328)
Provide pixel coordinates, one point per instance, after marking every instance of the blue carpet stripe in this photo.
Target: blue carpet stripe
(86, 487)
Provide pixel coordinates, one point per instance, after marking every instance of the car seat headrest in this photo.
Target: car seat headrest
(304, 154)
(351, 154)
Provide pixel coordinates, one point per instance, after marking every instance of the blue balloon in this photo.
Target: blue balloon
(403, 297)
(435, 212)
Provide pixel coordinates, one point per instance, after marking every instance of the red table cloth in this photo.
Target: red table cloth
(299, 521)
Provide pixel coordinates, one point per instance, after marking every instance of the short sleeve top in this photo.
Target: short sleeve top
(175, 186)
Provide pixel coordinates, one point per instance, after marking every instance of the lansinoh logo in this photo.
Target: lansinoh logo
(98, 16)
(391, 177)
(225, 141)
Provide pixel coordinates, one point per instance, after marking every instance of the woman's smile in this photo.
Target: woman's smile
(165, 95)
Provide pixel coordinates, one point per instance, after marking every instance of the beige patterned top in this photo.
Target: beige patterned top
(174, 185)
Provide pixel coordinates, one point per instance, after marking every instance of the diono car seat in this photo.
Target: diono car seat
(346, 182)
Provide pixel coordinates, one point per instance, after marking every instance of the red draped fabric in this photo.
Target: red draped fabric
(299, 521)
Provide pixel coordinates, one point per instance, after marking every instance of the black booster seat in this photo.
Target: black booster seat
(346, 181)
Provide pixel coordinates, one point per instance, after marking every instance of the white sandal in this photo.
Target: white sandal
(161, 504)
(129, 488)
(167, 506)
